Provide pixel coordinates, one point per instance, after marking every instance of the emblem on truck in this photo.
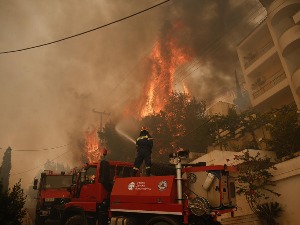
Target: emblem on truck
(131, 186)
(162, 185)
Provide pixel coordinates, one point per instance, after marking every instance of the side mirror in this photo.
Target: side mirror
(35, 183)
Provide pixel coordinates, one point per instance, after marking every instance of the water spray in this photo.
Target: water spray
(124, 134)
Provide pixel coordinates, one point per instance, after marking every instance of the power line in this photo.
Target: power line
(44, 149)
(35, 150)
(25, 171)
(85, 32)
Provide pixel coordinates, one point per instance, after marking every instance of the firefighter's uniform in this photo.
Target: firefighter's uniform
(144, 144)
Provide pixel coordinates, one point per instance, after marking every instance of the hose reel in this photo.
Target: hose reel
(199, 206)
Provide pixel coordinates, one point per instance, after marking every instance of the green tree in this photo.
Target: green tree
(12, 202)
(251, 120)
(254, 179)
(284, 129)
(268, 212)
(225, 127)
(236, 126)
(5, 168)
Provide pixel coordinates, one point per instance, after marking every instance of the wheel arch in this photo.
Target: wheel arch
(171, 220)
(72, 211)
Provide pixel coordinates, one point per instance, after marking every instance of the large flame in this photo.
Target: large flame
(92, 147)
(166, 57)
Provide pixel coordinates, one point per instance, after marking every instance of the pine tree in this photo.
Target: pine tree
(5, 169)
(12, 202)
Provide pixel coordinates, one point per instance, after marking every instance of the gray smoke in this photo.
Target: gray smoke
(47, 94)
(212, 30)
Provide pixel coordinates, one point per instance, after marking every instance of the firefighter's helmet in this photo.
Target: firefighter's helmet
(144, 128)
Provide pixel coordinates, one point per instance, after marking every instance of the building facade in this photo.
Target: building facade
(270, 57)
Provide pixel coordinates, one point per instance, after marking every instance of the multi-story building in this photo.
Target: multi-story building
(270, 57)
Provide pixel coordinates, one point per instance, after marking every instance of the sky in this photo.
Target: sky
(48, 94)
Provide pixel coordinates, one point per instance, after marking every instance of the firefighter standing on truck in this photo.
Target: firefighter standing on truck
(144, 144)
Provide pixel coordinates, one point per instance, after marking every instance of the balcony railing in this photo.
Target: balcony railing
(252, 56)
(276, 79)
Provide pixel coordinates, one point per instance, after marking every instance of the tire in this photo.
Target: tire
(162, 220)
(39, 220)
(205, 220)
(76, 220)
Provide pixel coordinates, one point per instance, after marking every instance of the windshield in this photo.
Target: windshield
(59, 181)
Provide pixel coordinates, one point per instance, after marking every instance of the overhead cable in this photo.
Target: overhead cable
(85, 32)
(44, 149)
(37, 167)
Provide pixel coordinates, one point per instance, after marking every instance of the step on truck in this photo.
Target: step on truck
(105, 193)
(52, 194)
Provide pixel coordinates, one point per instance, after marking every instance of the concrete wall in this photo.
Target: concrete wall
(287, 178)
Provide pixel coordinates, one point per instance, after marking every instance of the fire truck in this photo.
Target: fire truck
(105, 193)
(52, 195)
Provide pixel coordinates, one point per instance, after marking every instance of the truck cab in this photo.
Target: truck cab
(92, 185)
(52, 195)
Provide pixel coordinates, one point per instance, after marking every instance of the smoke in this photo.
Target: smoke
(47, 94)
(126, 127)
(212, 30)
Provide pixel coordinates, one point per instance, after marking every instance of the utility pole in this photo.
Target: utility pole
(101, 114)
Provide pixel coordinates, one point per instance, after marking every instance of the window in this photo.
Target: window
(58, 181)
(91, 174)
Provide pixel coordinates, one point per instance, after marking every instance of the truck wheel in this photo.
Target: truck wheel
(206, 220)
(162, 220)
(76, 220)
(39, 220)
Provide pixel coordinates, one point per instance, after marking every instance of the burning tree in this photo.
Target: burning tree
(166, 57)
(182, 124)
(91, 147)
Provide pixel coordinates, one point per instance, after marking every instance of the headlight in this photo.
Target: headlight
(49, 199)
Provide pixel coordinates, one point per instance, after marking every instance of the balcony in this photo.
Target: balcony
(296, 80)
(251, 57)
(290, 40)
(296, 17)
(283, 25)
(275, 79)
(281, 8)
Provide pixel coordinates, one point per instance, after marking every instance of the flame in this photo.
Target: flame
(165, 58)
(92, 146)
(185, 88)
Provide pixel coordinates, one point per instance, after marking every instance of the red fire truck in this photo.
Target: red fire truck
(52, 195)
(105, 193)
